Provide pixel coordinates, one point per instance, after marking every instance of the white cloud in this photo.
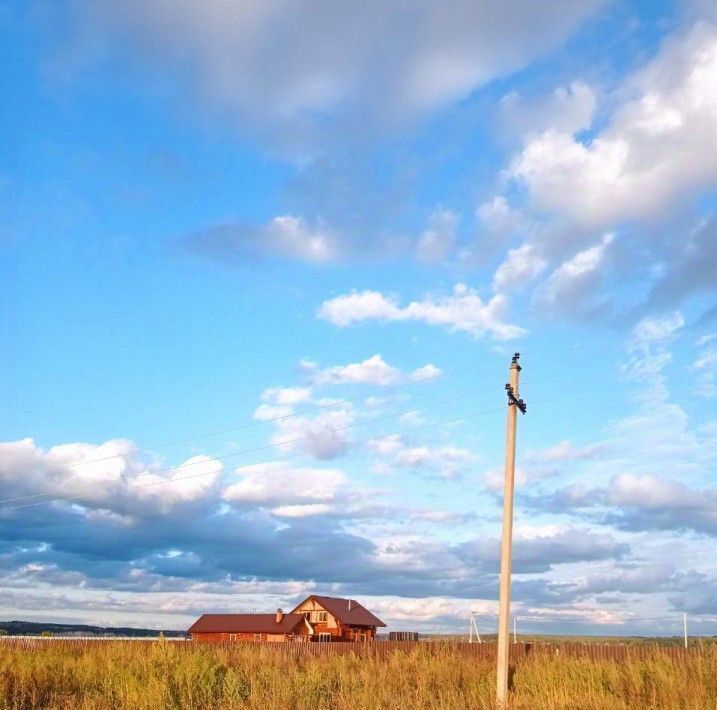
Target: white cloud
(189, 481)
(498, 216)
(437, 242)
(395, 452)
(286, 396)
(576, 278)
(323, 436)
(568, 110)
(657, 329)
(373, 370)
(565, 451)
(520, 266)
(646, 501)
(281, 484)
(544, 463)
(293, 237)
(111, 475)
(279, 402)
(659, 144)
(278, 61)
(463, 310)
(706, 366)
(302, 511)
(284, 236)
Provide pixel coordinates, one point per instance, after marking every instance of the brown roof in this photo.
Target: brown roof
(352, 614)
(245, 623)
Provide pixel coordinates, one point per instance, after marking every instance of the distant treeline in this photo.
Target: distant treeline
(37, 628)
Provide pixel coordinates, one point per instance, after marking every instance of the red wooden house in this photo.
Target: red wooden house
(249, 627)
(336, 619)
(315, 619)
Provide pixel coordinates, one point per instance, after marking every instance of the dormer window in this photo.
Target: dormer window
(321, 616)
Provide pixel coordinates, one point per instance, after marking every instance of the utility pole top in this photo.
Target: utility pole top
(514, 361)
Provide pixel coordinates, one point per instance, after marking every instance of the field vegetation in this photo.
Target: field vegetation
(67, 675)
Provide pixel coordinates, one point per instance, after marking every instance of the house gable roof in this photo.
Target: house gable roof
(351, 614)
(246, 623)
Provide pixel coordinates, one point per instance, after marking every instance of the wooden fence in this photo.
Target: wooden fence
(518, 651)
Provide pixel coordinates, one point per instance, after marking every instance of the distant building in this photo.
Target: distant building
(250, 627)
(336, 619)
(403, 636)
(316, 619)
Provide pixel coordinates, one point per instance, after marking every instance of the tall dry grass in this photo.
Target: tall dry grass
(154, 676)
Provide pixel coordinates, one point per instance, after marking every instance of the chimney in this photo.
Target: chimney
(279, 616)
(349, 605)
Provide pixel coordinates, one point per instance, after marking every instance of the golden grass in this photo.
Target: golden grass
(153, 676)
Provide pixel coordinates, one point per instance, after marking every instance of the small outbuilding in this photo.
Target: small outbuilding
(250, 627)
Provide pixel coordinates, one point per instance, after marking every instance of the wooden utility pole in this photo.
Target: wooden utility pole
(514, 404)
(684, 621)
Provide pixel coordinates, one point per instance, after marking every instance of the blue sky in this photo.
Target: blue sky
(263, 269)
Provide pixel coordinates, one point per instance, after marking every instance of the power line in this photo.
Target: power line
(320, 406)
(302, 412)
(288, 442)
(256, 463)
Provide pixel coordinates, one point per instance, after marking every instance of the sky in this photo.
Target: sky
(264, 265)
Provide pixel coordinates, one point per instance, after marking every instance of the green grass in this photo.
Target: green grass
(63, 675)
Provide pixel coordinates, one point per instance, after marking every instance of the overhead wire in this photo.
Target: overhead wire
(282, 417)
(65, 499)
(288, 442)
(278, 444)
(311, 410)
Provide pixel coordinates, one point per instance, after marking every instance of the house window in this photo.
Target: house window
(324, 636)
(321, 616)
(258, 637)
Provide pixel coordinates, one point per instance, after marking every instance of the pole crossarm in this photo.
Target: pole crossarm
(514, 401)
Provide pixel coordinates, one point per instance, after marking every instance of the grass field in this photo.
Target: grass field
(619, 640)
(152, 676)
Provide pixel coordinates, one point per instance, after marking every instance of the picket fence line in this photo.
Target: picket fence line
(518, 651)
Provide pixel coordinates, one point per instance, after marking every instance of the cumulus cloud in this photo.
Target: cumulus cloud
(284, 236)
(463, 310)
(660, 143)
(544, 463)
(110, 475)
(286, 487)
(286, 396)
(437, 243)
(538, 553)
(569, 109)
(394, 452)
(497, 215)
(571, 287)
(520, 266)
(373, 371)
(325, 435)
(644, 502)
(656, 330)
(275, 63)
